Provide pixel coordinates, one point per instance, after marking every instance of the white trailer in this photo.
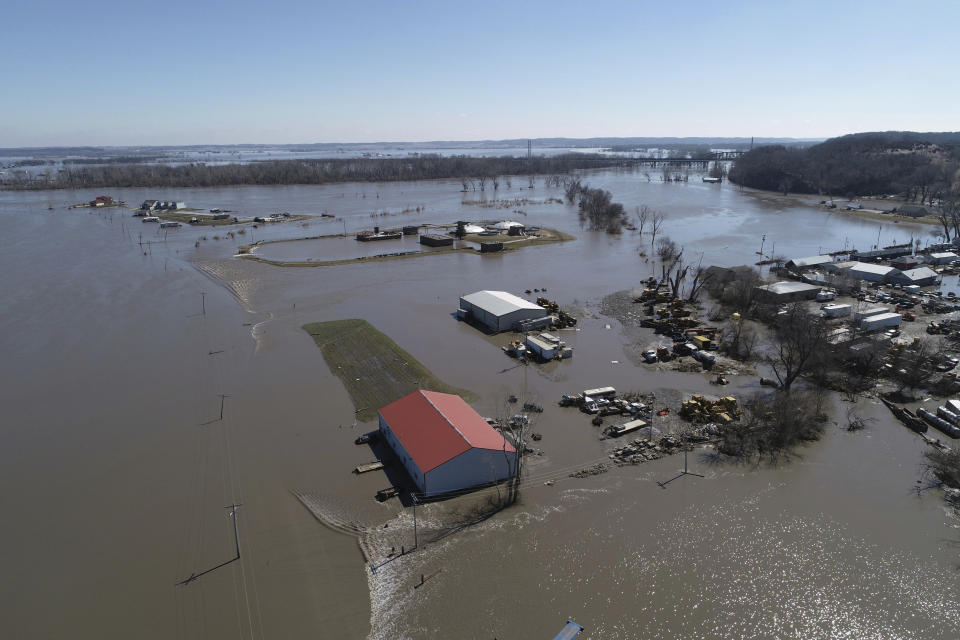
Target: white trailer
(602, 392)
(881, 321)
(866, 312)
(835, 310)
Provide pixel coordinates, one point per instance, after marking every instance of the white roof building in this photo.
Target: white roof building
(870, 272)
(499, 310)
(921, 276)
(943, 257)
(787, 291)
(506, 224)
(812, 261)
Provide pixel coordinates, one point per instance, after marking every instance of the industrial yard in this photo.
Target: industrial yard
(295, 402)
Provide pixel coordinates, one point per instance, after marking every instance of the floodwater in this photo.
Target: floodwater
(119, 341)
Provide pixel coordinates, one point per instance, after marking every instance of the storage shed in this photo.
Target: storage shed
(444, 444)
(499, 310)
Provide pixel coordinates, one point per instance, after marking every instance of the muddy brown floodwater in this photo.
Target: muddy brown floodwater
(119, 342)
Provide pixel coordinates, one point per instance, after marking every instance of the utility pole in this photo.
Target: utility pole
(222, 396)
(203, 303)
(416, 543)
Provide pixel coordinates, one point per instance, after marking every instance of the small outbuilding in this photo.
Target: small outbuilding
(436, 240)
(499, 310)
(491, 247)
(444, 444)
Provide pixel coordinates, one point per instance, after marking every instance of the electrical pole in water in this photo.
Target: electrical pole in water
(222, 396)
(203, 303)
(416, 543)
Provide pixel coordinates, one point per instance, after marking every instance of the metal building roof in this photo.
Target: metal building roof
(499, 303)
(811, 261)
(920, 273)
(866, 267)
(780, 288)
(436, 427)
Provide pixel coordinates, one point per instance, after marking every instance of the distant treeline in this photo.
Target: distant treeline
(920, 166)
(315, 171)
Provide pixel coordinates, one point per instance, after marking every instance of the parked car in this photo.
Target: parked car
(650, 356)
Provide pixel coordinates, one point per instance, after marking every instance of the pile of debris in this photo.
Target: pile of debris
(700, 410)
(594, 470)
(641, 450)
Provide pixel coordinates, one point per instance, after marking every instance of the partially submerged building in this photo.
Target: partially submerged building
(444, 444)
(498, 310)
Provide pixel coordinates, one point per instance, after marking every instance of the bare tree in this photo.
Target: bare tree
(796, 338)
(740, 340)
(669, 252)
(482, 180)
(496, 182)
(643, 216)
(656, 223)
(700, 278)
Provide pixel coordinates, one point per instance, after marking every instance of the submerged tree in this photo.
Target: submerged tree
(796, 338)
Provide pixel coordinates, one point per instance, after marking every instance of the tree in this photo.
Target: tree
(701, 277)
(740, 340)
(796, 338)
(656, 222)
(772, 424)
(910, 366)
(643, 215)
(669, 252)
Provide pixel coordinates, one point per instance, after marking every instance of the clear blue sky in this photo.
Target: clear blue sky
(107, 72)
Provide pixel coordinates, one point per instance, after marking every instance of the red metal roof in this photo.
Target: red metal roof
(436, 427)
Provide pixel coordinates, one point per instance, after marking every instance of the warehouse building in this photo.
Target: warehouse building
(870, 272)
(812, 262)
(921, 276)
(498, 310)
(444, 444)
(782, 292)
(943, 257)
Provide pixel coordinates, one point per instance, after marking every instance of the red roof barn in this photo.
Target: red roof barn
(444, 444)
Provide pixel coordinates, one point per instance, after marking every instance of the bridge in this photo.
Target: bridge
(699, 162)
